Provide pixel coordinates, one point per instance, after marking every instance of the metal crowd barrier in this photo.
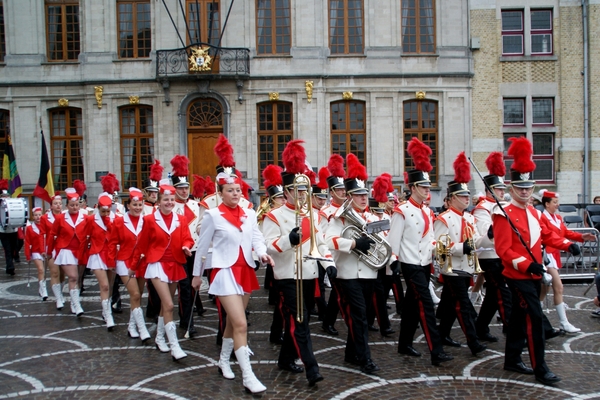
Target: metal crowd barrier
(585, 265)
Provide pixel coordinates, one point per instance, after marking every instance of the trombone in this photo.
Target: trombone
(472, 258)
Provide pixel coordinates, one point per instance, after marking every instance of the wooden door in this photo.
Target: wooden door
(203, 160)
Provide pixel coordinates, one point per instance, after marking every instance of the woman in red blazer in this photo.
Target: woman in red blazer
(93, 251)
(163, 245)
(35, 250)
(123, 240)
(56, 275)
(553, 222)
(68, 231)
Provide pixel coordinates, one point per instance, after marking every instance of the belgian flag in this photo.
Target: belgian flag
(9, 169)
(45, 187)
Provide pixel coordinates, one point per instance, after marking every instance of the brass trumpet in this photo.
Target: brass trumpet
(472, 258)
(443, 256)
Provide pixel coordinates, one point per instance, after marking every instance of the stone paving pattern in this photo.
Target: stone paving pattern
(51, 354)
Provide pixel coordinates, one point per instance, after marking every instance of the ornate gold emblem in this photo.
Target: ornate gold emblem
(98, 90)
(134, 99)
(274, 96)
(200, 60)
(347, 95)
(420, 95)
(308, 86)
(63, 102)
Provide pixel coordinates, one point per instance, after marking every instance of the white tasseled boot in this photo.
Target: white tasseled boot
(160, 342)
(60, 302)
(107, 314)
(132, 331)
(176, 351)
(565, 325)
(43, 292)
(138, 316)
(436, 300)
(224, 366)
(75, 303)
(250, 381)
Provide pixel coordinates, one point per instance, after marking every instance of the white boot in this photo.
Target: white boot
(43, 292)
(160, 342)
(75, 304)
(132, 331)
(436, 300)
(565, 325)
(138, 317)
(60, 302)
(224, 366)
(176, 351)
(107, 314)
(250, 381)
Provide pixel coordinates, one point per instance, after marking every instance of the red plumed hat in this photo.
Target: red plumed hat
(323, 175)
(462, 169)
(294, 162)
(272, 175)
(495, 165)
(380, 189)
(110, 183)
(356, 177)
(312, 176)
(224, 151)
(520, 171)
(388, 178)
(210, 187)
(198, 187)
(180, 164)
(79, 186)
(419, 152)
(156, 171)
(335, 165)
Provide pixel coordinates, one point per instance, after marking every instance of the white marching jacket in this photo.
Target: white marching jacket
(191, 210)
(411, 234)
(483, 219)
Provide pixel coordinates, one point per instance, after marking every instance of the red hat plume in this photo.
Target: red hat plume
(272, 175)
(405, 177)
(156, 171)
(388, 178)
(495, 163)
(3, 184)
(521, 150)
(224, 151)
(294, 157)
(380, 189)
(312, 176)
(79, 186)
(198, 186)
(335, 165)
(180, 165)
(110, 183)
(323, 175)
(245, 187)
(462, 169)
(420, 153)
(210, 186)
(355, 169)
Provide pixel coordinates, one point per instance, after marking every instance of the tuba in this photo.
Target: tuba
(472, 258)
(443, 255)
(380, 252)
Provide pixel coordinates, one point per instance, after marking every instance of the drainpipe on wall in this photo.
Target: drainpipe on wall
(586, 105)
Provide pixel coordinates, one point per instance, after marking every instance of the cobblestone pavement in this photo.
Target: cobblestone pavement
(50, 354)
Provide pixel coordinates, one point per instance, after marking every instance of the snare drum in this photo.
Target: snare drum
(14, 213)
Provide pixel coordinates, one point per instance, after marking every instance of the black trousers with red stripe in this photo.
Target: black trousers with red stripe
(526, 324)
(418, 307)
(353, 297)
(394, 283)
(497, 296)
(456, 303)
(377, 307)
(296, 338)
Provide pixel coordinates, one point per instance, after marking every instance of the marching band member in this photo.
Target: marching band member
(94, 251)
(35, 249)
(553, 221)
(164, 243)
(46, 223)
(337, 190)
(150, 198)
(497, 295)
(459, 228)
(81, 187)
(412, 240)
(355, 278)
(233, 233)
(320, 194)
(522, 268)
(68, 231)
(9, 236)
(287, 244)
(123, 240)
(189, 208)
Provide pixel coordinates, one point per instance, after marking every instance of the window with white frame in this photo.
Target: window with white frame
(527, 32)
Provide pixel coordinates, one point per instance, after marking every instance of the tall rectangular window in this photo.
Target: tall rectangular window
(66, 144)
(514, 111)
(541, 32)
(62, 24)
(418, 26)
(203, 22)
(275, 130)
(273, 27)
(346, 33)
(137, 145)
(133, 21)
(348, 132)
(2, 35)
(420, 121)
(512, 32)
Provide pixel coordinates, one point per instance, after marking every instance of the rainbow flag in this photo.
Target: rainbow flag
(45, 187)
(9, 169)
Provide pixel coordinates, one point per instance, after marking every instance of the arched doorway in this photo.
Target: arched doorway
(204, 124)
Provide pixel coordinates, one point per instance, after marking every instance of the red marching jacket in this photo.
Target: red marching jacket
(34, 240)
(96, 239)
(123, 240)
(562, 232)
(63, 231)
(45, 225)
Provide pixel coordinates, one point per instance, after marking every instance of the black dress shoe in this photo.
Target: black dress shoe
(448, 341)
(312, 381)
(548, 378)
(408, 351)
(553, 333)
(388, 331)
(518, 368)
(10, 272)
(330, 330)
(477, 348)
(291, 367)
(373, 329)
(352, 360)
(314, 312)
(369, 367)
(440, 358)
(487, 337)
(276, 339)
(201, 312)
